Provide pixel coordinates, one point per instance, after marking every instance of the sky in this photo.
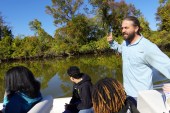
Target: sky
(18, 14)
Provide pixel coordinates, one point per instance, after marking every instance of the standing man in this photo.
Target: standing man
(140, 57)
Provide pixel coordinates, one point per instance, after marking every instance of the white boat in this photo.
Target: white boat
(151, 101)
(148, 101)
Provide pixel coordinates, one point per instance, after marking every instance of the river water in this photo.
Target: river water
(52, 73)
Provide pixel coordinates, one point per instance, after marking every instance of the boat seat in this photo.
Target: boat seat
(44, 106)
(150, 101)
(59, 104)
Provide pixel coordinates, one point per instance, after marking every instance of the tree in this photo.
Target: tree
(163, 15)
(111, 13)
(63, 10)
(35, 26)
(17, 47)
(44, 38)
(6, 38)
(1, 26)
(5, 30)
(75, 33)
(5, 47)
(146, 31)
(31, 47)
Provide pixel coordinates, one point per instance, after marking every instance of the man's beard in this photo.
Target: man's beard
(130, 36)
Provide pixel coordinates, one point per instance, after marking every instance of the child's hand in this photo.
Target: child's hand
(66, 106)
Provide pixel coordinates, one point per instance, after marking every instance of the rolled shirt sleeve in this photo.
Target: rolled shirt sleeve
(115, 46)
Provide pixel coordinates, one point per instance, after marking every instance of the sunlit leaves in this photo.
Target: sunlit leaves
(163, 15)
(111, 13)
(146, 31)
(5, 30)
(63, 10)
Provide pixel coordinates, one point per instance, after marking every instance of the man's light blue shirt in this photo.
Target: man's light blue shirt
(140, 59)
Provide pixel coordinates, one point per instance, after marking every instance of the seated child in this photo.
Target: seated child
(22, 90)
(81, 101)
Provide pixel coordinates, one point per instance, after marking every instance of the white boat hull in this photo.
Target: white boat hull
(149, 101)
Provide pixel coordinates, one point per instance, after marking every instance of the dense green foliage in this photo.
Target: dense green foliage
(81, 30)
(163, 15)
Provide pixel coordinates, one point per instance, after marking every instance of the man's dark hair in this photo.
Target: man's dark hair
(135, 22)
(21, 79)
(74, 72)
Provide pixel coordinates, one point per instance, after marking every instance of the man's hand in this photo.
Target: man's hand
(110, 38)
(166, 88)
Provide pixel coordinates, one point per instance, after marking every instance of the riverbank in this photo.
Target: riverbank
(65, 55)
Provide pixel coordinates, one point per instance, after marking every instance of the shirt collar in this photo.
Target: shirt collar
(135, 43)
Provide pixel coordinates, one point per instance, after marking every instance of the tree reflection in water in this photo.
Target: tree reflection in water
(53, 76)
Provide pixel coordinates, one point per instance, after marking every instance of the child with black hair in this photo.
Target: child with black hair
(22, 90)
(81, 101)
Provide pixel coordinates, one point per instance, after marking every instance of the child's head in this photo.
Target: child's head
(74, 73)
(21, 79)
(108, 96)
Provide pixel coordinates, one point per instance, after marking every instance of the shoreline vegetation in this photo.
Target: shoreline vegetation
(77, 33)
(34, 58)
(42, 57)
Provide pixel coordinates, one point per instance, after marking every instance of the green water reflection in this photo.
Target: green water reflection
(52, 72)
(54, 79)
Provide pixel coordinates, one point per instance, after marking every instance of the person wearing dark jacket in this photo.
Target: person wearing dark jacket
(81, 101)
